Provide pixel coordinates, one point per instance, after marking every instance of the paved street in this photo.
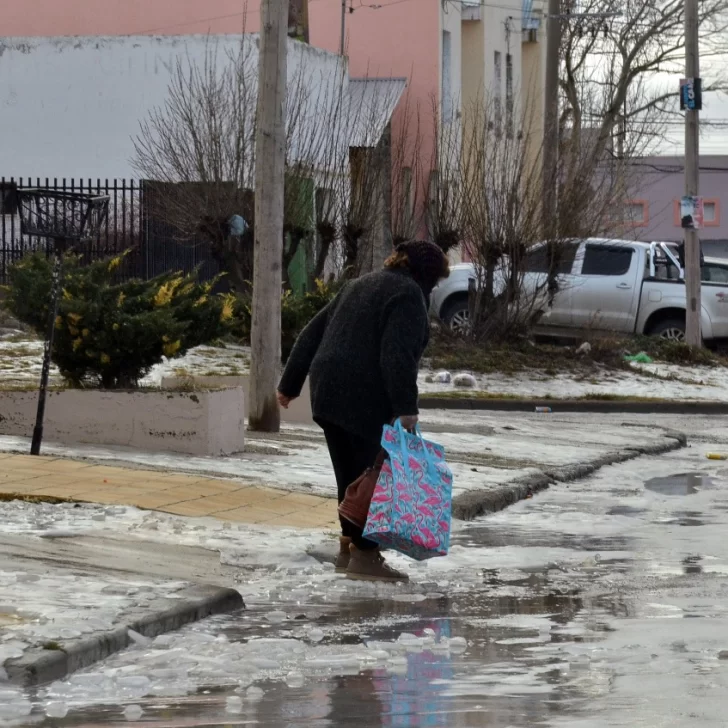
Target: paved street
(596, 603)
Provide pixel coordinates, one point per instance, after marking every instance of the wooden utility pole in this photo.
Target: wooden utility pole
(270, 148)
(693, 332)
(551, 117)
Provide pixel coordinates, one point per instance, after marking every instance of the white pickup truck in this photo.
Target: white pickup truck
(606, 285)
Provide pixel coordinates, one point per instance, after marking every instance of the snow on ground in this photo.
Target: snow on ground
(20, 364)
(668, 382)
(21, 359)
(279, 581)
(483, 450)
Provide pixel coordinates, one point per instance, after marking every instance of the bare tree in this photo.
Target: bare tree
(499, 211)
(615, 57)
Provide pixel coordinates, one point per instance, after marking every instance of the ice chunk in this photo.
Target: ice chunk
(138, 639)
(397, 665)
(254, 693)
(56, 709)
(295, 679)
(276, 617)
(163, 641)
(87, 678)
(133, 712)
(458, 645)
(69, 634)
(135, 684)
(443, 377)
(315, 635)
(465, 381)
(264, 663)
(234, 704)
(413, 598)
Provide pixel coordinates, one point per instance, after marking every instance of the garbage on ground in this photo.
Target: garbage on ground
(543, 410)
(585, 348)
(716, 456)
(641, 358)
(466, 381)
(443, 377)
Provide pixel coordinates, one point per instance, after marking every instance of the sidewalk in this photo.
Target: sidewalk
(183, 495)
(286, 480)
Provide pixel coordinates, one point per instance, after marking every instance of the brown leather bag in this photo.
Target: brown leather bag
(355, 506)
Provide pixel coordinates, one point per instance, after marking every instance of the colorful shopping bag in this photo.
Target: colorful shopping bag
(411, 508)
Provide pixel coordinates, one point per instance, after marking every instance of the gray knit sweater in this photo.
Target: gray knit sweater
(362, 353)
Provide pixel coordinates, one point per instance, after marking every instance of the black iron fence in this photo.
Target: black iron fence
(131, 225)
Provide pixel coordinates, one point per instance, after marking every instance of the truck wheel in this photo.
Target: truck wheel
(672, 329)
(456, 315)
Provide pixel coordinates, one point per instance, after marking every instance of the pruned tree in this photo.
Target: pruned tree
(446, 205)
(199, 149)
(411, 166)
(501, 215)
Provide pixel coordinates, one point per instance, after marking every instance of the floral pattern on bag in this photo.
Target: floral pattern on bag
(411, 508)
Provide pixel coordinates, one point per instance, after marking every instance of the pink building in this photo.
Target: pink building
(453, 54)
(659, 183)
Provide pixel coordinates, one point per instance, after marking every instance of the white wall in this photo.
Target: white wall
(70, 106)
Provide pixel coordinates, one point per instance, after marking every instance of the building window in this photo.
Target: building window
(446, 91)
(509, 94)
(497, 89)
(711, 212)
(633, 213)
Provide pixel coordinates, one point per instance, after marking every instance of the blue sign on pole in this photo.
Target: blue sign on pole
(691, 94)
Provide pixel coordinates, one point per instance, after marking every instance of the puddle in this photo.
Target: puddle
(680, 484)
(626, 511)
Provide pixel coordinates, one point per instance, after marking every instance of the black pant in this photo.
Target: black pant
(350, 455)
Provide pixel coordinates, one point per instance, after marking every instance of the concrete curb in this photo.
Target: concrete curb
(576, 405)
(40, 665)
(470, 505)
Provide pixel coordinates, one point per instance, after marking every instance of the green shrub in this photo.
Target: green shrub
(111, 334)
(296, 312)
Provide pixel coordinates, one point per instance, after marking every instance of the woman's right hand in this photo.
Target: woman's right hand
(284, 401)
(409, 422)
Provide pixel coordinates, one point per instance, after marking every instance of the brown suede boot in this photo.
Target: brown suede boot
(371, 566)
(342, 560)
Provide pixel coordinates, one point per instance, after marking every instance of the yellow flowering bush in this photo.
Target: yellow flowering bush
(296, 312)
(110, 333)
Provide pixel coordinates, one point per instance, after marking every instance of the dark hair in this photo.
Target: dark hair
(425, 261)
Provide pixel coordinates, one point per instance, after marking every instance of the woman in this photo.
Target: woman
(362, 352)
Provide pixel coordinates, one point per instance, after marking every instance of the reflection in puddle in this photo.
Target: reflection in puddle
(680, 484)
(687, 518)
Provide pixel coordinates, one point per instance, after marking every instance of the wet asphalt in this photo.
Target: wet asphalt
(599, 603)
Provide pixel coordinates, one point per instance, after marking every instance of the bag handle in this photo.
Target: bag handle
(403, 445)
